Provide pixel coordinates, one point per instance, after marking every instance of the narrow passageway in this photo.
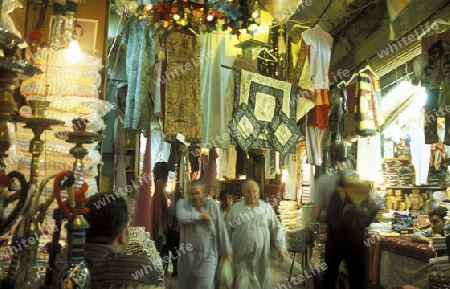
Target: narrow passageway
(279, 276)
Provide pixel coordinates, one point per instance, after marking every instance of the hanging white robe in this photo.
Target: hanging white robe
(252, 233)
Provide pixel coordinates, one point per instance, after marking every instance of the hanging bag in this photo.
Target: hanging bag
(224, 274)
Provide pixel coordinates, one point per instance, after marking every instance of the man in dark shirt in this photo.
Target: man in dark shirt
(106, 242)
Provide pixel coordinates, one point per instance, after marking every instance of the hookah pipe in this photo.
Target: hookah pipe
(62, 180)
(66, 179)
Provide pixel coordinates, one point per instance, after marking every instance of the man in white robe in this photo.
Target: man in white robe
(254, 228)
(203, 234)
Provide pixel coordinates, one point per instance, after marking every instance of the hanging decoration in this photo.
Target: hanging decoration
(265, 112)
(166, 16)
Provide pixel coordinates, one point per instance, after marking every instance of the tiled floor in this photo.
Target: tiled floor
(279, 276)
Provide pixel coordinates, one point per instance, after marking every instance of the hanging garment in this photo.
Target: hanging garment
(298, 66)
(318, 115)
(337, 111)
(432, 78)
(420, 152)
(314, 145)
(140, 61)
(320, 43)
(368, 165)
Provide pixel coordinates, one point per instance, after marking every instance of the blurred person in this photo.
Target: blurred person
(106, 243)
(203, 233)
(173, 233)
(325, 185)
(226, 201)
(255, 230)
(437, 226)
(350, 211)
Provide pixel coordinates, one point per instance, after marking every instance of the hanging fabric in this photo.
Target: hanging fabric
(298, 64)
(142, 218)
(217, 88)
(337, 112)
(209, 178)
(265, 112)
(433, 78)
(368, 166)
(368, 114)
(183, 88)
(140, 60)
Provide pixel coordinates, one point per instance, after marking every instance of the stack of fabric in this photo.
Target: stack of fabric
(382, 228)
(288, 214)
(73, 92)
(439, 272)
(438, 243)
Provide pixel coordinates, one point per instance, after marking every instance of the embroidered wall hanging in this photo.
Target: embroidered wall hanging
(183, 113)
(265, 112)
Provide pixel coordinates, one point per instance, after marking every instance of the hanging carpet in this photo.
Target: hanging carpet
(265, 112)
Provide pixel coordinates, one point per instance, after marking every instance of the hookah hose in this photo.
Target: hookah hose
(67, 179)
(21, 206)
(7, 180)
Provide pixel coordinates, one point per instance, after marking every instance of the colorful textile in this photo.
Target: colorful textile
(404, 246)
(318, 115)
(368, 113)
(276, 107)
(183, 98)
(140, 60)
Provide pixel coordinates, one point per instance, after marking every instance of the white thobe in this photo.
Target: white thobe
(253, 231)
(203, 240)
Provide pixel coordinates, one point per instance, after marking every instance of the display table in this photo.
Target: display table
(398, 261)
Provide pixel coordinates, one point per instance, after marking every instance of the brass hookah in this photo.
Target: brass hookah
(7, 87)
(75, 274)
(28, 275)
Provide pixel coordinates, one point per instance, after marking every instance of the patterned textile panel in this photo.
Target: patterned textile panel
(265, 112)
(183, 103)
(399, 270)
(404, 246)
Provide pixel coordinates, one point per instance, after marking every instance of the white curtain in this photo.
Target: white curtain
(217, 86)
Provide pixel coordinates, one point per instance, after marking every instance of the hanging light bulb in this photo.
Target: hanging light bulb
(73, 53)
(210, 17)
(176, 16)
